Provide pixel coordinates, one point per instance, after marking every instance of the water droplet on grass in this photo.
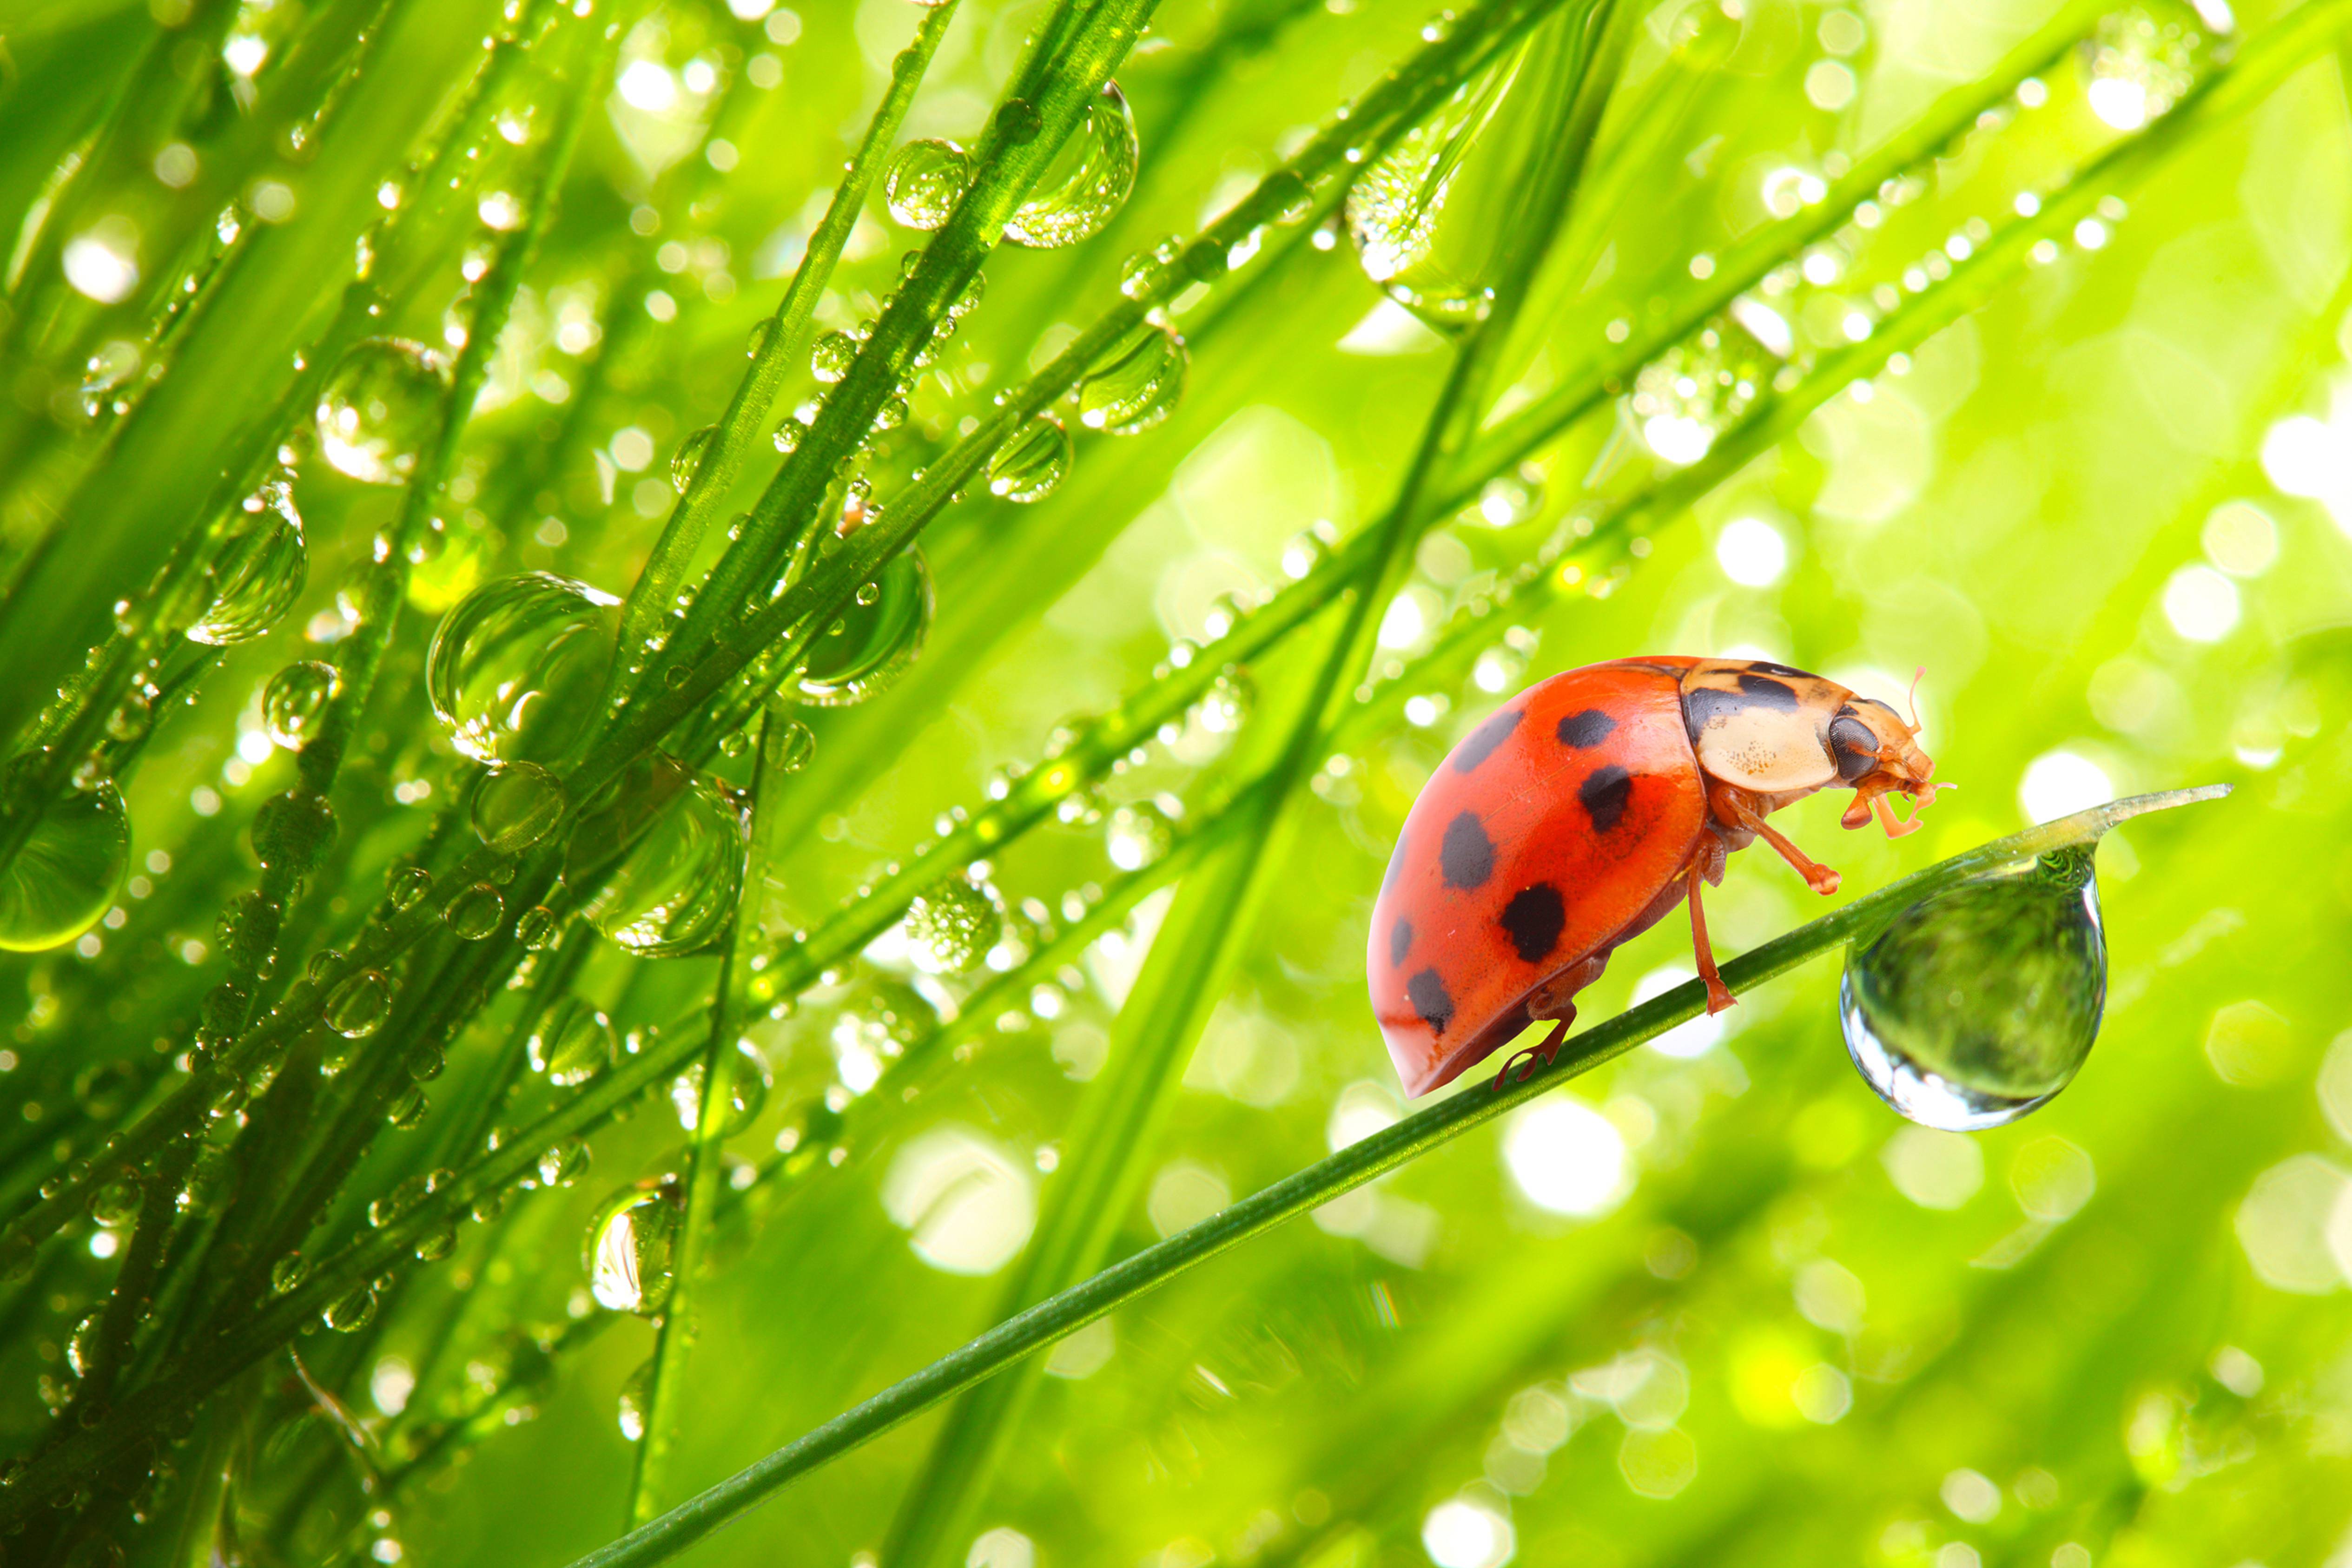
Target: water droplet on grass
(378, 410)
(829, 361)
(514, 668)
(64, 877)
(747, 1093)
(951, 925)
(296, 700)
(259, 571)
(517, 806)
(475, 913)
(573, 1043)
(873, 641)
(663, 853)
(1978, 1005)
(1088, 180)
(687, 461)
(356, 1006)
(1136, 384)
(1138, 835)
(924, 181)
(632, 1248)
(635, 1400)
(1030, 465)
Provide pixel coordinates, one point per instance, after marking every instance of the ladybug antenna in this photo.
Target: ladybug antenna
(1917, 676)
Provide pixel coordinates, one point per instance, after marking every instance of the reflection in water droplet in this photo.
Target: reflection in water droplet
(951, 925)
(353, 1311)
(1136, 384)
(404, 886)
(1032, 463)
(517, 806)
(659, 860)
(378, 410)
(1978, 1005)
(475, 913)
(747, 1093)
(355, 1007)
(795, 744)
(687, 461)
(259, 571)
(1088, 180)
(64, 876)
(873, 641)
(636, 1399)
(924, 181)
(573, 1043)
(829, 361)
(632, 1248)
(514, 669)
(536, 928)
(563, 1162)
(295, 699)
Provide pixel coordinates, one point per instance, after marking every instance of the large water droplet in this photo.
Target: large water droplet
(830, 359)
(259, 571)
(573, 1043)
(872, 643)
(1136, 384)
(296, 700)
(355, 1007)
(63, 878)
(747, 1093)
(632, 1248)
(1691, 393)
(517, 806)
(1088, 180)
(1978, 1005)
(1032, 463)
(660, 859)
(475, 913)
(514, 668)
(687, 461)
(378, 409)
(925, 180)
(951, 925)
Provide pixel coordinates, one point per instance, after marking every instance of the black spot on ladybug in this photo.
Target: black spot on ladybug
(1765, 666)
(1604, 794)
(1852, 747)
(1467, 855)
(1534, 918)
(1399, 942)
(1767, 692)
(1480, 743)
(1586, 729)
(1427, 993)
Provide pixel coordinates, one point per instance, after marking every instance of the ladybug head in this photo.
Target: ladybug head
(1877, 751)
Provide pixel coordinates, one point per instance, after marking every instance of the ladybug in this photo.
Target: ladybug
(1581, 813)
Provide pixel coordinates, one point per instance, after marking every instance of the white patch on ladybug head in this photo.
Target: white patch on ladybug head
(1759, 731)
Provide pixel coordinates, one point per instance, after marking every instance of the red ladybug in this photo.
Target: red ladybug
(1585, 810)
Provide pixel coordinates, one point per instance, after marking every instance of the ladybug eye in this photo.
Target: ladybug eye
(1853, 747)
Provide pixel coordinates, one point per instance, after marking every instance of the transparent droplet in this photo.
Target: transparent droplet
(1978, 1005)
(296, 700)
(2142, 60)
(632, 1248)
(404, 886)
(517, 806)
(793, 743)
(573, 1043)
(536, 928)
(378, 411)
(872, 643)
(1138, 835)
(515, 667)
(663, 854)
(1691, 393)
(65, 876)
(475, 913)
(106, 1090)
(563, 1162)
(874, 1021)
(830, 360)
(747, 1093)
(356, 1006)
(637, 1401)
(951, 925)
(687, 461)
(1031, 463)
(925, 180)
(1136, 384)
(353, 1311)
(81, 1345)
(1088, 180)
(259, 572)
(115, 1204)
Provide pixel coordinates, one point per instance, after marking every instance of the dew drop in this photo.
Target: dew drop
(106, 1090)
(259, 571)
(1137, 835)
(377, 413)
(64, 877)
(925, 180)
(873, 641)
(829, 359)
(351, 1312)
(536, 928)
(355, 1008)
(663, 851)
(573, 1043)
(635, 1402)
(515, 666)
(1032, 463)
(687, 461)
(517, 806)
(791, 745)
(474, 914)
(1977, 1006)
(295, 699)
(747, 1093)
(632, 1248)
(563, 1162)
(404, 886)
(1136, 384)
(1088, 180)
(951, 925)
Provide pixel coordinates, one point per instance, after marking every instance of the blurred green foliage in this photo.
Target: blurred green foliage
(1714, 1302)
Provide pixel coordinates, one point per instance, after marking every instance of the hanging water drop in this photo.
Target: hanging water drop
(1031, 463)
(1138, 835)
(660, 858)
(830, 360)
(514, 668)
(687, 461)
(1136, 384)
(637, 1398)
(747, 1093)
(632, 1248)
(791, 746)
(1088, 180)
(1978, 1005)
(474, 914)
(517, 806)
(64, 876)
(379, 408)
(259, 572)
(356, 1006)
(573, 1043)
(404, 886)
(951, 925)
(295, 699)
(925, 180)
(873, 641)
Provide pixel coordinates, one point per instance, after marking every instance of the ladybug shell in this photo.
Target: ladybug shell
(1552, 833)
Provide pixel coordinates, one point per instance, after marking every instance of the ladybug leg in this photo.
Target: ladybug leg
(1718, 995)
(1555, 998)
(1733, 805)
(1537, 1056)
